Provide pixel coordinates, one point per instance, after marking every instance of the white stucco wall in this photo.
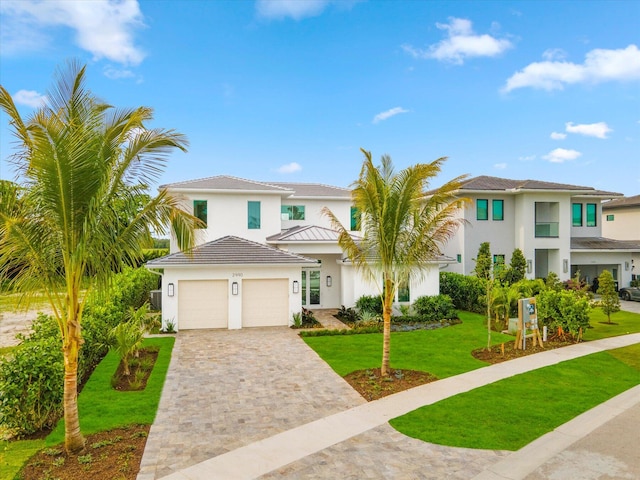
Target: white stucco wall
(584, 231)
(232, 274)
(313, 212)
(624, 226)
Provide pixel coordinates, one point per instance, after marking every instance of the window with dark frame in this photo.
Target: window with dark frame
(576, 214)
(200, 211)
(592, 209)
(497, 210)
(253, 215)
(482, 209)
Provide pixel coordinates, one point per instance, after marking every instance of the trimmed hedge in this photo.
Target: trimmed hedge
(434, 308)
(467, 292)
(31, 376)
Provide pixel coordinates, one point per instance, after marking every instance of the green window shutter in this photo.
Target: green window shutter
(253, 215)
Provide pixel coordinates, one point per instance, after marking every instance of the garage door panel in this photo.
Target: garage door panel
(203, 304)
(265, 302)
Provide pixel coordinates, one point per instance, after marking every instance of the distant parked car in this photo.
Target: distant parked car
(630, 293)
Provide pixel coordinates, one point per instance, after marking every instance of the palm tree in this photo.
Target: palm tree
(404, 227)
(76, 158)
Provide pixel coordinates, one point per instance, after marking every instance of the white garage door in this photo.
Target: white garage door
(203, 304)
(265, 303)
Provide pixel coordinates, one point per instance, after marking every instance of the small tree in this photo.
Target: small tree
(483, 270)
(609, 301)
(517, 267)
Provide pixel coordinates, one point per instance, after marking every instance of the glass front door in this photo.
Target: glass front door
(310, 287)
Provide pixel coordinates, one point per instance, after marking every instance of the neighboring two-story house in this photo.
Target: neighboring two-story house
(266, 251)
(621, 221)
(558, 228)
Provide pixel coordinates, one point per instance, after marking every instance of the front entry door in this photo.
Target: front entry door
(310, 288)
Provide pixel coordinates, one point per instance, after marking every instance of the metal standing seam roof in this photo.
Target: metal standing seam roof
(231, 250)
(304, 190)
(306, 233)
(626, 202)
(601, 243)
(486, 182)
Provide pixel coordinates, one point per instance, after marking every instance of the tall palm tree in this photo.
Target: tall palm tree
(404, 227)
(76, 158)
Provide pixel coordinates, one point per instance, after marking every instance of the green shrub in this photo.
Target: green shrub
(348, 315)
(370, 303)
(568, 309)
(31, 377)
(434, 308)
(467, 292)
(31, 385)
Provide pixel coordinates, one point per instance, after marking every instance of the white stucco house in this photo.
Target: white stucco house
(266, 252)
(557, 226)
(621, 221)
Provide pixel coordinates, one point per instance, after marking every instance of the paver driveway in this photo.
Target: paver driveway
(228, 388)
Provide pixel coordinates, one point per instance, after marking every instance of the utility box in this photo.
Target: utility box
(155, 299)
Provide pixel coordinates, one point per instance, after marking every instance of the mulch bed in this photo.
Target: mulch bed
(122, 382)
(115, 454)
(372, 386)
(496, 354)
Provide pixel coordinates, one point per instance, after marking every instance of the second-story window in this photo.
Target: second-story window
(592, 208)
(253, 215)
(576, 214)
(497, 210)
(482, 209)
(200, 211)
(355, 219)
(610, 218)
(292, 212)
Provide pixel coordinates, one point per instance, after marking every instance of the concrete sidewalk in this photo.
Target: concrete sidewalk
(286, 448)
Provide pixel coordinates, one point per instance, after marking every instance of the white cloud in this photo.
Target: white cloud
(30, 98)
(598, 130)
(528, 158)
(388, 114)
(462, 43)
(103, 27)
(558, 136)
(500, 166)
(600, 65)
(296, 9)
(117, 73)
(561, 155)
(289, 168)
(552, 54)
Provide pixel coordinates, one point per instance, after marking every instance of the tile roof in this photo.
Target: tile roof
(306, 233)
(231, 250)
(314, 189)
(601, 243)
(485, 182)
(626, 202)
(226, 182)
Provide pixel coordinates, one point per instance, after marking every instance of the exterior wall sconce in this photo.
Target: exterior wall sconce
(529, 266)
(626, 265)
(329, 281)
(170, 290)
(296, 286)
(565, 265)
(234, 288)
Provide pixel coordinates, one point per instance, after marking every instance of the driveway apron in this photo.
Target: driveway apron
(229, 388)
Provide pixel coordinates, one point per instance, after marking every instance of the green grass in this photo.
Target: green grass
(5, 350)
(103, 408)
(442, 352)
(627, 322)
(14, 454)
(513, 412)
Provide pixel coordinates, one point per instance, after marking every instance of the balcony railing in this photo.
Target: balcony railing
(547, 229)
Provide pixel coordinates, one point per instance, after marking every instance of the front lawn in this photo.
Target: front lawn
(622, 323)
(510, 413)
(442, 352)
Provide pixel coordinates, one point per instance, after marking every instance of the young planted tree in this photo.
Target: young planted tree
(609, 301)
(77, 158)
(403, 227)
(484, 270)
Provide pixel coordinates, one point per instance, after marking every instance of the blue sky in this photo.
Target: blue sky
(289, 90)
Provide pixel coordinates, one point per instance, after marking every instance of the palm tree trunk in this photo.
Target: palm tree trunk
(74, 440)
(387, 303)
